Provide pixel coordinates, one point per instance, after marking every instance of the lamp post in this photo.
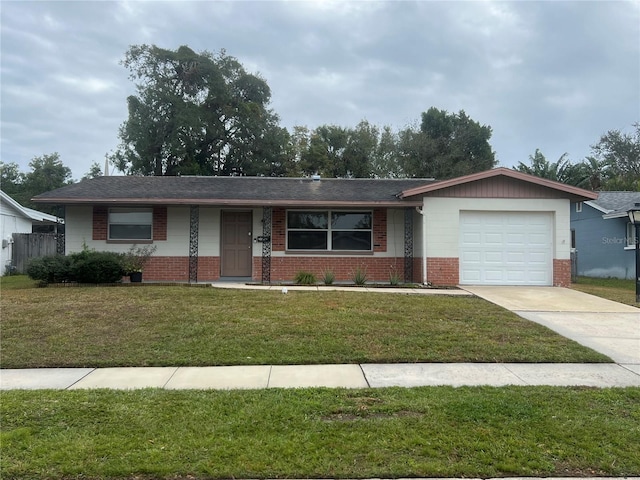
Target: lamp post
(634, 218)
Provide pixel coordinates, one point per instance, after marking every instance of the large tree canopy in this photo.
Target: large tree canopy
(619, 154)
(197, 113)
(446, 145)
(614, 165)
(47, 173)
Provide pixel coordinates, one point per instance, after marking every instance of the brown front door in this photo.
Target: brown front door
(236, 244)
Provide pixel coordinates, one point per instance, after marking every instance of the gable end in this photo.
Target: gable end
(497, 187)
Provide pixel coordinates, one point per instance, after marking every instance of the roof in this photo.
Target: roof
(29, 213)
(235, 191)
(615, 204)
(572, 192)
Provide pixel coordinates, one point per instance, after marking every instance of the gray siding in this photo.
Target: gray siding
(600, 244)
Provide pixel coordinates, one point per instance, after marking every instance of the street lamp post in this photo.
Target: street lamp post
(634, 217)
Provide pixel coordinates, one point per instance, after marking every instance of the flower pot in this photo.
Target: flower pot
(135, 277)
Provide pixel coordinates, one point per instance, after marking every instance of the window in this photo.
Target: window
(130, 224)
(329, 230)
(573, 238)
(631, 235)
(578, 207)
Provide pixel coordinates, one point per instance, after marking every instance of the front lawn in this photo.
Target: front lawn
(623, 291)
(188, 326)
(321, 433)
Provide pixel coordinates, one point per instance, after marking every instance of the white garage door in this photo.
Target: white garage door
(506, 248)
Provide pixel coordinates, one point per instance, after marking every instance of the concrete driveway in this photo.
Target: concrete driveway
(608, 327)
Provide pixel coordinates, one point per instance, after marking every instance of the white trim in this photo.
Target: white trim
(29, 212)
(593, 204)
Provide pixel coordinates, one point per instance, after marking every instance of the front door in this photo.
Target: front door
(236, 244)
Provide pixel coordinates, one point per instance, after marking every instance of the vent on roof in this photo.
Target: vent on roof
(315, 178)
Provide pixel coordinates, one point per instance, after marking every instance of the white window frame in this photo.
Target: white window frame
(132, 211)
(630, 237)
(329, 230)
(578, 207)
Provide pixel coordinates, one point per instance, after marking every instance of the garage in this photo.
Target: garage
(506, 248)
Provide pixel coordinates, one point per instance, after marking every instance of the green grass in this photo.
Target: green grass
(178, 326)
(623, 291)
(13, 282)
(320, 433)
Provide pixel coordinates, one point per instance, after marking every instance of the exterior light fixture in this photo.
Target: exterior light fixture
(634, 218)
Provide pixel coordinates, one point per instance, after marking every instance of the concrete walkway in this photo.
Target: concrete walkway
(333, 376)
(343, 288)
(608, 327)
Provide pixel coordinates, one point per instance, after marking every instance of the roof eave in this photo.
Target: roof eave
(228, 202)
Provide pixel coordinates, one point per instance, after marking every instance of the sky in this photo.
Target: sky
(548, 75)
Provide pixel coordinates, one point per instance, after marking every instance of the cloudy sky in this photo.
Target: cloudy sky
(551, 75)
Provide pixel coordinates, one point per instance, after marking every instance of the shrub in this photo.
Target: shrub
(360, 276)
(97, 267)
(394, 276)
(137, 257)
(328, 277)
(50, 269)
(305, 278)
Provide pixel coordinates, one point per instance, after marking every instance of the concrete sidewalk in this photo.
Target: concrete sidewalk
(343, 288)
(333, 376)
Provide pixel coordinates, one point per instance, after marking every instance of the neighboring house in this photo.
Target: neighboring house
(603, 237)
(14, 218)
(499, 227)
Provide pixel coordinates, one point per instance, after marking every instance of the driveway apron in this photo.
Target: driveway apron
(607, 327)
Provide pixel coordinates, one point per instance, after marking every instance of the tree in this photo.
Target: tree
(620, 154)
(195, 113)
(562, 170)
(47, 173)
(445, 146)
(11, 178)
(94, 171)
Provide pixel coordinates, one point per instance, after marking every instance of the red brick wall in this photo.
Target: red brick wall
(284, 269)
(208, 269)
(100, 219)
(380, 230)
(417, 270)
(159, 223)
(167, 269)
(278, 229)
(442, 271)
(561, 273)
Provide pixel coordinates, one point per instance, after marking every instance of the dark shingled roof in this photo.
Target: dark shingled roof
(249, 191)
(617, 203)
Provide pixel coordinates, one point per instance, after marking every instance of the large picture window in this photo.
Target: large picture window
(329, 230)
(130, 224)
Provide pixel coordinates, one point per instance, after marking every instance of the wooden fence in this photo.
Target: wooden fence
(30, 245)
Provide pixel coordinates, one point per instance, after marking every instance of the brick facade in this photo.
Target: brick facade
(444, 272)
(379, 269)
(100, 220)
(168, 269)
(561, 273)
(380, 230)
(159, 223)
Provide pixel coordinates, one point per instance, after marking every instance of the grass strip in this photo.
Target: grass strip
(320, 433)
(615, 289)
(179, 326)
